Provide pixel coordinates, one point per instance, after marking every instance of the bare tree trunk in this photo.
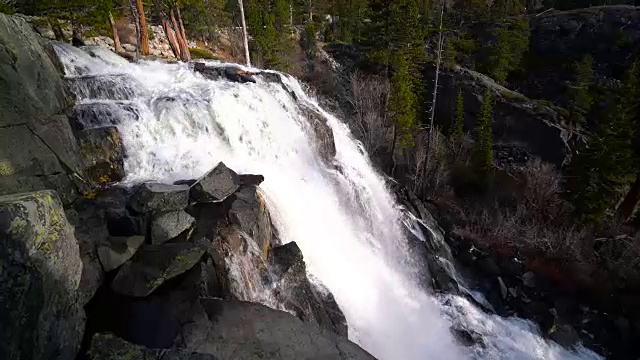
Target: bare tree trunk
(136, 21)
(187, 55)
(392, 153)
(171, 37)
(116, 37)
(628, 205)
(291, 14)
(184, 49)
(144, 32)
(435, 88)
(245, 35)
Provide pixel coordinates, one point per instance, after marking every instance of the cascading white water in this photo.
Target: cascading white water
(343, 217)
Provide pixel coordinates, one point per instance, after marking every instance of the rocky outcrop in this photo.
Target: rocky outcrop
(611, 34)
(223, 329)
(216, 185)
(232, 329)
(518, 122)
(156, 197)
(160, 275)
(37, 148)
(40, 273)
(297, 294)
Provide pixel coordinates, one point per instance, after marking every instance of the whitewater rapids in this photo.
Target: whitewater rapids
(176, 124)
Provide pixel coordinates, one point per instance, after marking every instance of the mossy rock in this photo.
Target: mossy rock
(39, 279)
(102, 153)
(197, 53)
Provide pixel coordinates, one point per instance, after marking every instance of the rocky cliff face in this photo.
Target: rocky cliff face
(154, 270)
(37, 144)
(518, 122)
(611, 34)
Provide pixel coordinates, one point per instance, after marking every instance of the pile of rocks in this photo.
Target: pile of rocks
(174, 267)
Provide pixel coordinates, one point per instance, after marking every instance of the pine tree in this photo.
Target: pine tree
(403, 102)
(458, 126)
(581, 99)
(484, 134)
(606, 164)
(505, 55)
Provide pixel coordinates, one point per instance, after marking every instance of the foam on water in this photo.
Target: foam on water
(342, 215)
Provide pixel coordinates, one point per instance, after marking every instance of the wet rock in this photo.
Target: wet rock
(503, 288)
(564, 334)
(249, 179)
(185, 182)
(216, 185)
(440, 274)
(110, 347)
(231, 73)
(152, 265)
(167, 226)
(103, 155)
(323, 138)
(464, 337)
(240, 272)
(152, 197)
(529, 279)
(40, 273)
(249, 211)
(297, 294)
(233, 329)
(286, 256)
(119, 87)
(118, 250)
(91, 115)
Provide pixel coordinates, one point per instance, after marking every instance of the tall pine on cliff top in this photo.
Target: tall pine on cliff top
(606, 165)
(580, 92)
(484, 134)
(403, 102)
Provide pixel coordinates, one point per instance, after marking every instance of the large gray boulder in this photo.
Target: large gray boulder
(102, 155)
(247, 331)
(166, 226)
(249, 212)
(152, 265)
(216, 185)
(298, 295)
(117, 250)
(41, 316)
(322, 134)
(155, 197)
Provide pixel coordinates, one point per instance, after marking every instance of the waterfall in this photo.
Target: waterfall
(177, 124)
